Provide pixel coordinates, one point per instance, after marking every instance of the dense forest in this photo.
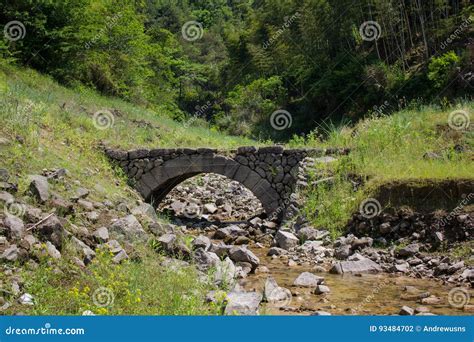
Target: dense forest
(235, 62)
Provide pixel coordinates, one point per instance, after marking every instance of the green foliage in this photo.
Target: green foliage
(441, 69)
(106, 288)
(250, 107)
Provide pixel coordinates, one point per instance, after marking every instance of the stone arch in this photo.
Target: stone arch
(155, 184)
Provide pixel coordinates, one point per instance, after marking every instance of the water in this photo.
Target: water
(379, 294)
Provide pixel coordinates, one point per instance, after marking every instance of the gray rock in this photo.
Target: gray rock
(52, 251)
(15, 226)
(275, 294)
(84, 251)
(243, 303)
(342, 252)
(205, 260)
(309, 233)
(242, 254)
(52, 230)
(361, 243)
(160, 228)
(359, 266)
(145, 210)
(6, 197)
(228, 232)
(286, 240)
(225, 273)
(307, 279)
(113, 246)
(409, 250)
(81, 193)
(406, 311)
(39, 187)
(385, 228)
(168, 242)
(202, 242)
(11, 253)
(128, 229)
(401, 267)
(101, 234)
(276, 251)
(321, 289)
(26, 299)
(120, 256)
(210, 208)
(220, 249)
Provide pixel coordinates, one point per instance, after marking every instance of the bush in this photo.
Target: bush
(442, 69)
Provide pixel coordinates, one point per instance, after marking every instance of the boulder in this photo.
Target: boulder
(128, 229)
(145, 210)
(309, 233)
(101, 234)
(275, 294)
(406, 311)
(84, 251)
(229, 232)
(15, 226)
(11, 253)
(242, 254)
(52, 251)
(209, 208)
(242, 303)
(120, 256)
(286, 240)
(205, 260)
(321, 289)
(220, 249)
(39, 187)
(52, 230)
(276, 251)
(359, 266)
(202, 241)
(307, 279)
(342, 252)
(409, 250)
(225, 273)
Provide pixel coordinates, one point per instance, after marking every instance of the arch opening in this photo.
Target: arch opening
(209, 196)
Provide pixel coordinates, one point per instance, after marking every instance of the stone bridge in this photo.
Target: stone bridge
(270, 173)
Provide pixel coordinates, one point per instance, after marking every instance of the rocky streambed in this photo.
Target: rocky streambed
(302, 271)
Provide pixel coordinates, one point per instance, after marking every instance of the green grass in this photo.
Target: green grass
(50, 126)
(140, 287)
(386, 149)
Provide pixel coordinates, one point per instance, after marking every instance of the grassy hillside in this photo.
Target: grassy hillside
(415, 145)
(45, 125)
